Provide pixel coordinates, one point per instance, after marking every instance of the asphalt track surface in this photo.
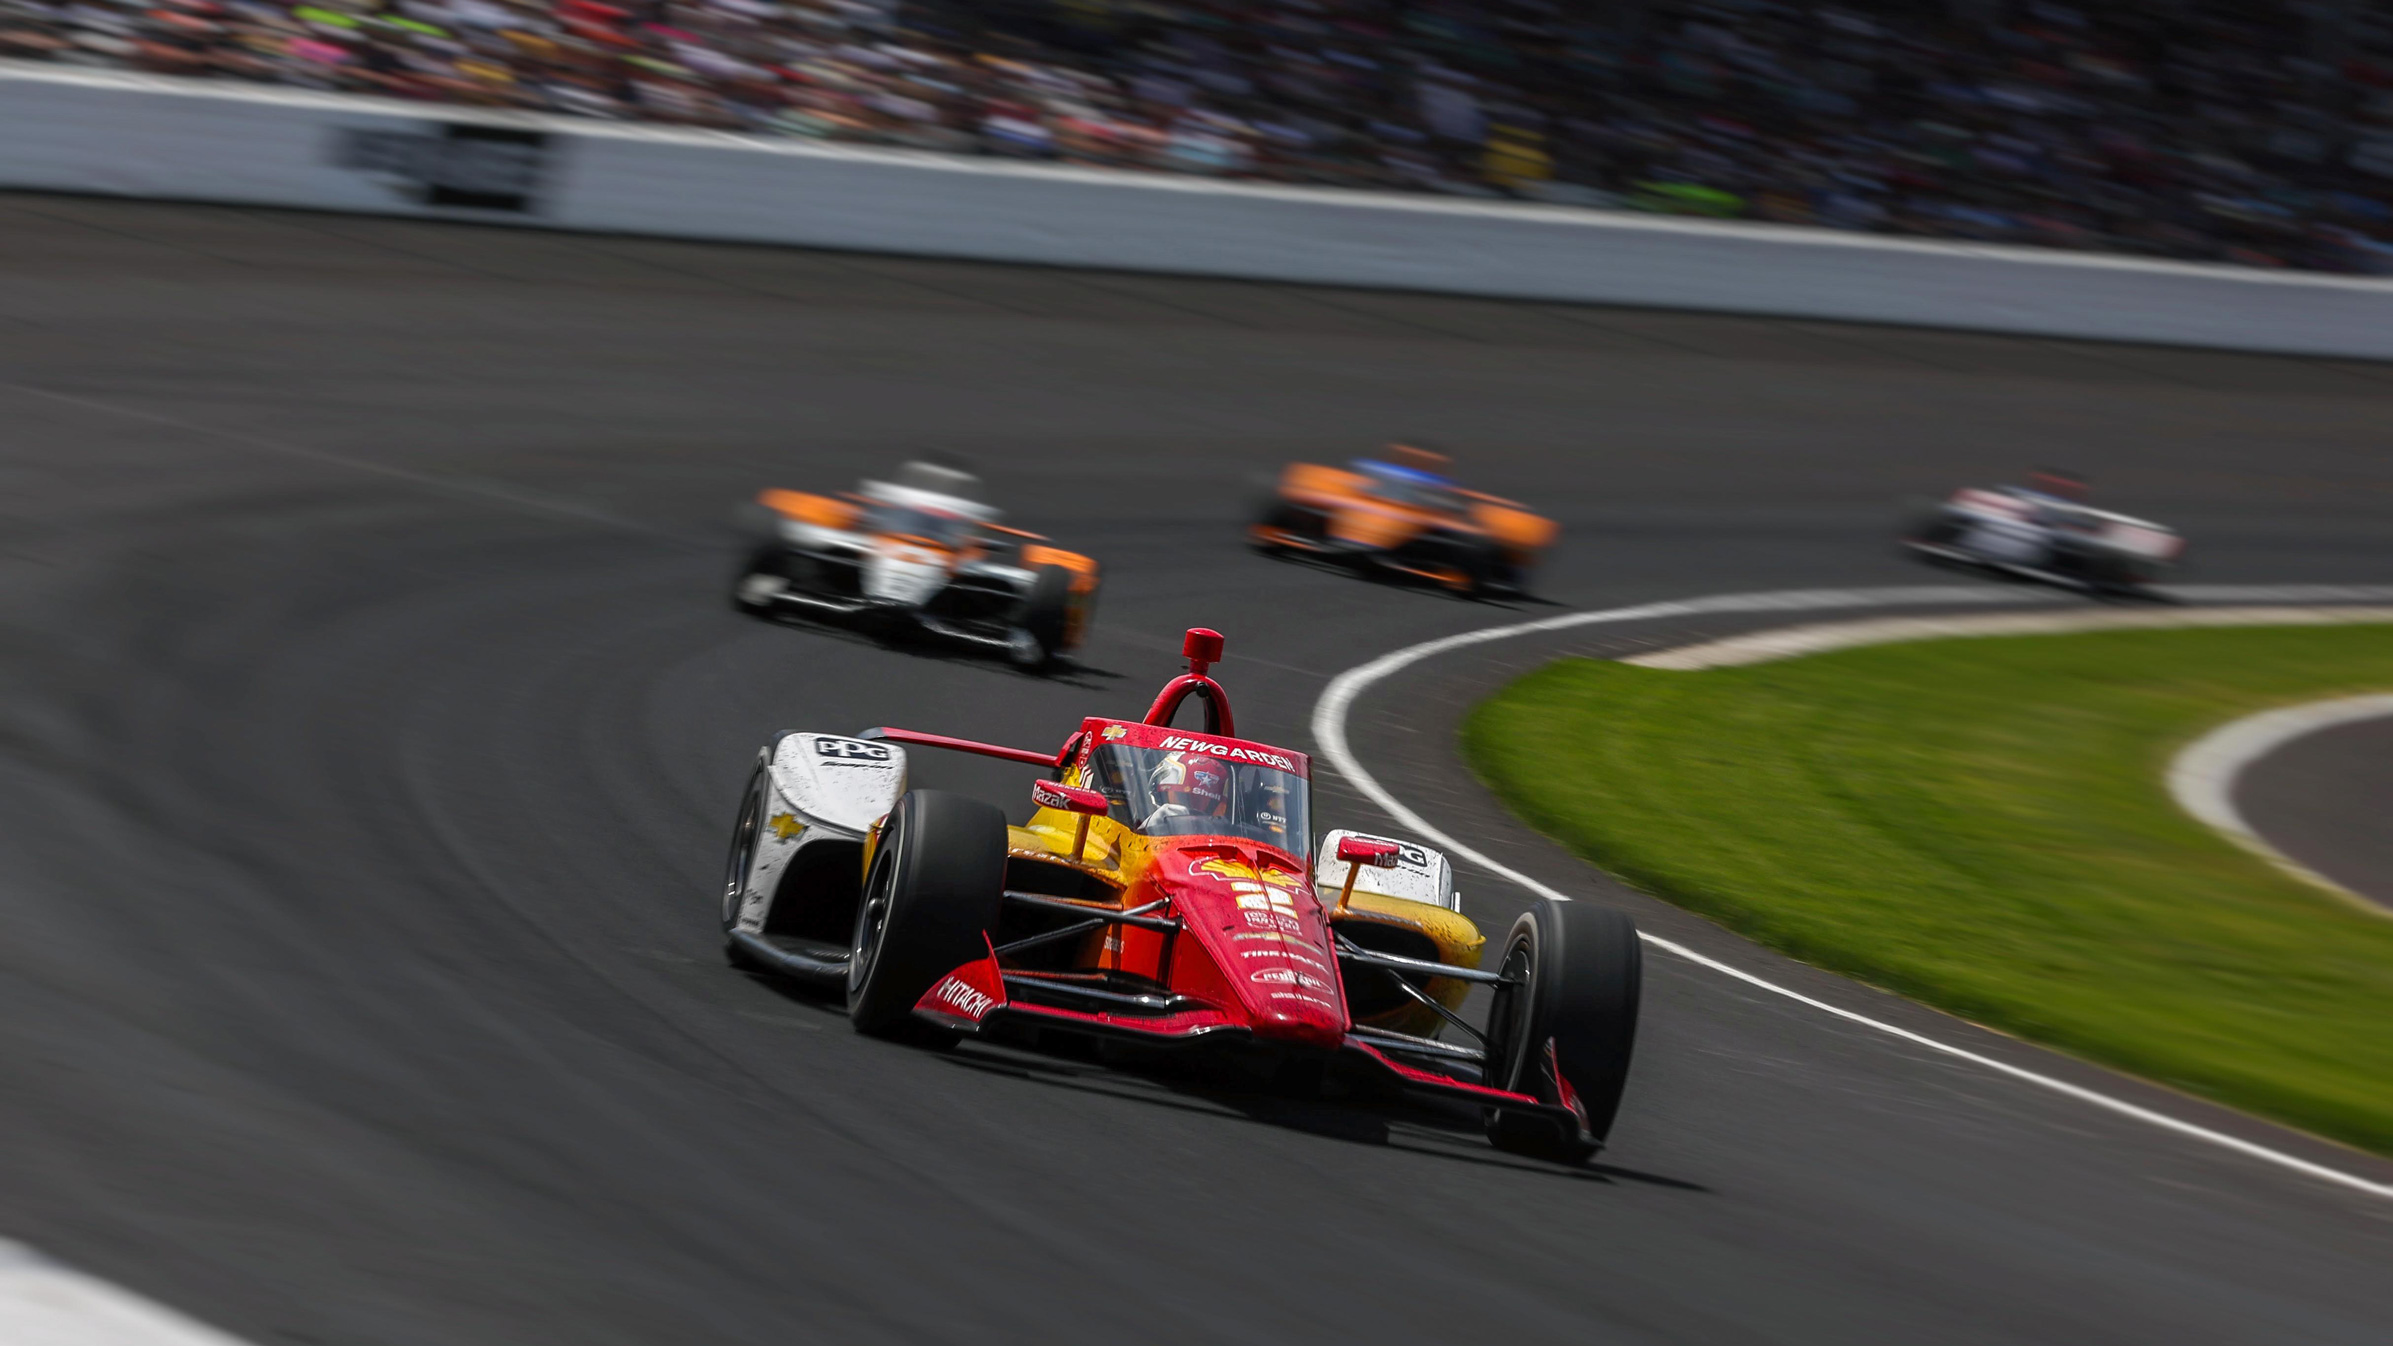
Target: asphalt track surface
(2325, 800)
(374, 719)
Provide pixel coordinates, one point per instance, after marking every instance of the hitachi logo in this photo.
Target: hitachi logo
(970, 1003)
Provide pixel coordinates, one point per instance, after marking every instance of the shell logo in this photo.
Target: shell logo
(1223, 867)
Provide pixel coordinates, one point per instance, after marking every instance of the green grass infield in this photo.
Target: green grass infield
(1982, 824)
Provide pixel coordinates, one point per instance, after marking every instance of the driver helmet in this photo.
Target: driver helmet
(1196, 781)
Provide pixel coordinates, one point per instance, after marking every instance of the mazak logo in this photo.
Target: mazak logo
(1176, 743)
(966, 1000)
(452, 163)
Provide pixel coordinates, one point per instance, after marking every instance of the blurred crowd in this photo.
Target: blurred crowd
(2249, 131)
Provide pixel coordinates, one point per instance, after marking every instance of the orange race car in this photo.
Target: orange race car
(1401, 515)
(922, 553)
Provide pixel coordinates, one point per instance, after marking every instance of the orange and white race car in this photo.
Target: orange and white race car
(922, 553)
(1401, 515)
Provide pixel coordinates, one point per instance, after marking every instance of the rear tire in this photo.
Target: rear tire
(1582, 971)
(934, 891)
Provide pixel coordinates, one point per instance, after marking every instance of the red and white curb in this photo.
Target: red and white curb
(1338, 698)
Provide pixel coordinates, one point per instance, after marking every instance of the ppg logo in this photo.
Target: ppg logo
(850, 750)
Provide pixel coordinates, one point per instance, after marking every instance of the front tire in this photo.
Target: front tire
(1482, 566)
(1936, 530)
(1564, 1034)
(758, 580)
(742, 858)
(936, 885)
(1280, 517)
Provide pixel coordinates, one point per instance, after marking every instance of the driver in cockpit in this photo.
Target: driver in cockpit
(1188, 784)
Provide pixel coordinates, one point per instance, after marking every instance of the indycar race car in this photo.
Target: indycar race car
(1403, 516)
(1166, 897)
(921, 553)
(2044, 531)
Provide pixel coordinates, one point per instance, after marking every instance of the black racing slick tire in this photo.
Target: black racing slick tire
(934, 891)
(1482, 566)
(1933, 530)
(1577, 971)
(1280, 516)
(744, 833)
(762, 562)
(1047, 612)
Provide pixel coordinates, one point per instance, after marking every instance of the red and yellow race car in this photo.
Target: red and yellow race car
(1166, 896)
(1401, 515)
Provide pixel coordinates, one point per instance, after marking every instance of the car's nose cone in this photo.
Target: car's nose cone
(903, 575)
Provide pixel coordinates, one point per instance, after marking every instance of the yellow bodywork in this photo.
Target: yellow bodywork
(1119, 856)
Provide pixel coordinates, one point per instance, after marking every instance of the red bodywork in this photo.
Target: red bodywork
(1227, 936)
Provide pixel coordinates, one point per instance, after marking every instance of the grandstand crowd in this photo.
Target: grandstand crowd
(2248, 131)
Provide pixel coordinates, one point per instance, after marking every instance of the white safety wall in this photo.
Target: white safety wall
(80, 131)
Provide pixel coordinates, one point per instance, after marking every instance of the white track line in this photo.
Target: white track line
(1795, 642)
(1329, 733)
(45, 1304)
(2202, 778)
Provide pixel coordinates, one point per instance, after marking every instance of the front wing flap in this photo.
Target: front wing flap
(974, 999)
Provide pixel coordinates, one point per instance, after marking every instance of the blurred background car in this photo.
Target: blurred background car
(1401, 515)
(2045, 531)
(920, 553)
(2257, 132)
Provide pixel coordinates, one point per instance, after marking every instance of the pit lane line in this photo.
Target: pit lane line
(1329, 733)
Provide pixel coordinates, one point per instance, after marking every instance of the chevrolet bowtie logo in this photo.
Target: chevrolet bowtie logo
(785, 825)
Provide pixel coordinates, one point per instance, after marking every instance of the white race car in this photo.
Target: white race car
(922, 553)
(2042, 531)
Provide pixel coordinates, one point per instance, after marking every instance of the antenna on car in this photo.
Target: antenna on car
(1202, 646)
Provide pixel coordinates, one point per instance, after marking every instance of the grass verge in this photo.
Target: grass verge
(1982, 825)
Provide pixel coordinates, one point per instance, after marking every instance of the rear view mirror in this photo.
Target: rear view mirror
(1049, 794)
(1360, 851)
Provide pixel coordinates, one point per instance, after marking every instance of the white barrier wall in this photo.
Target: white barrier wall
(82, 131)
